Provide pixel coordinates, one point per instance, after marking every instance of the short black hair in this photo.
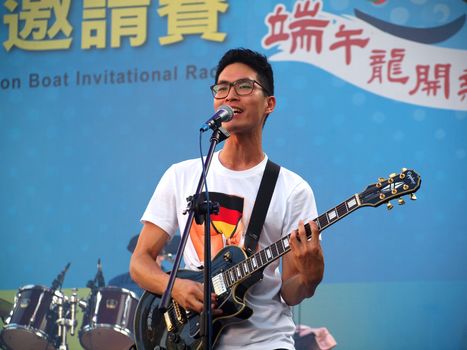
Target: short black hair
(255, 60)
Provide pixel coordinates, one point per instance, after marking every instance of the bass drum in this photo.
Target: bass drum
(108, 320)
(32, 321)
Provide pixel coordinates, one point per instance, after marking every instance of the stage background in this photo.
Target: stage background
(80, 158)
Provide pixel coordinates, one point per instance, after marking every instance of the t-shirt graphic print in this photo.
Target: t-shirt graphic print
(227, 226)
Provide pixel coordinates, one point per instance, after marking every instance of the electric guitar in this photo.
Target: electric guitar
(234, 272)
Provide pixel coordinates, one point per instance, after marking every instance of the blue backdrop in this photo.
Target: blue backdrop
(85, 135)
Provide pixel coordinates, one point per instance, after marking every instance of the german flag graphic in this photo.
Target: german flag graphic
(230, 213)
(226, 227)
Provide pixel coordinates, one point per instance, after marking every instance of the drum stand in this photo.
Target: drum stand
(68, 323)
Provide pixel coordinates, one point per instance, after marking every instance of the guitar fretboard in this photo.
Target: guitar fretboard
(264, 257)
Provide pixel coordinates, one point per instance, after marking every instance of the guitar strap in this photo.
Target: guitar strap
(260, 209)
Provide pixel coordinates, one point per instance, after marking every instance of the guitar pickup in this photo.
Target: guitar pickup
(218, 284)
(168, 322)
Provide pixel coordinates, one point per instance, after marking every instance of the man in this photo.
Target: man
(244, 81)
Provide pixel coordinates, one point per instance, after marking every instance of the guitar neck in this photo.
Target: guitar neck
(264, 257)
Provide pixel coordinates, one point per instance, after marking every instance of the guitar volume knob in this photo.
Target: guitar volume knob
(228, 257)
(174, 338)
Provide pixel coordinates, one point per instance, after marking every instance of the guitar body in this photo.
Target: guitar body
(179, 329)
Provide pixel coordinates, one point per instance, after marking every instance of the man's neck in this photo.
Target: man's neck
(241, 154)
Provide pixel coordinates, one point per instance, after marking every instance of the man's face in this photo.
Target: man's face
(251, 110)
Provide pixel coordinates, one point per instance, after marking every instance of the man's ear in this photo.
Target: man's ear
(271, 104)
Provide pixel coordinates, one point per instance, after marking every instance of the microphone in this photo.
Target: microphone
(223, 114)
(100, 275)
(58, 281)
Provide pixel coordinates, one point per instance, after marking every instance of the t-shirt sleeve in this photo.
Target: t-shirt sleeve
(301, 205)
(160, 210)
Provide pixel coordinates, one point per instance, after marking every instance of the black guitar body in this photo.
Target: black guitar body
(152, 329)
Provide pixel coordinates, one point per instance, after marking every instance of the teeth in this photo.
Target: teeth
(237, 110)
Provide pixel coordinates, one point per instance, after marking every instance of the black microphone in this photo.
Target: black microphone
(100, 276)
(223, 114)
(58, 281)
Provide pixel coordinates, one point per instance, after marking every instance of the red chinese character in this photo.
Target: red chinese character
(394, 67)
(463, 85)
(431, 87)
(376, 62)
(275, 20)
(306, 26)
(347, 41)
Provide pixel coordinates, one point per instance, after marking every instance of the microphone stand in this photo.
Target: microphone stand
(198, 210)
(58, 281)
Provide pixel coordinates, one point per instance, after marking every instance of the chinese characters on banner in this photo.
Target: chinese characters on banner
(31, 28)
(191, 17)
(345, 46)
(40, 25)
(367, 57)
(127, 18)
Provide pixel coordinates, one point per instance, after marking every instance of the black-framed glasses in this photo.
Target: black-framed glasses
(243, 87)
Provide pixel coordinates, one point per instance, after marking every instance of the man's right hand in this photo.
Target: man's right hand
(189, 294)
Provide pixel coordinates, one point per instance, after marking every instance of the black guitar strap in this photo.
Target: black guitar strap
(260, 209)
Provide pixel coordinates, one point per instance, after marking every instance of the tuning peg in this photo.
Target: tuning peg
(389, 206)
(413, 196)
(401, 201)
(404, 170)
(393, 175)
(380, 182)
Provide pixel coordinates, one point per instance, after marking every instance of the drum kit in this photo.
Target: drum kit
(41, 317)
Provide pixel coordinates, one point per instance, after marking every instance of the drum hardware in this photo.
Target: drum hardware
(68, 307)
(63, 307)
(41, 317)
(168, 254)
(169, 257)
(170, 249)
(98, 281)
(32, 322)
(5, 308)
(63, 323)
(73, 303)
(58, 281)
(108, 316)
(108, 319)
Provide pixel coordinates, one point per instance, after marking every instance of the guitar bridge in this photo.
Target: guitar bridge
(219, 284)
(178, 313)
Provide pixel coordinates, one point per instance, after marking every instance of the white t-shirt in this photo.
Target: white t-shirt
(271, 325)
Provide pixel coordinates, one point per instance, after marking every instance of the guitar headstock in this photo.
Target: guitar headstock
(396, 186)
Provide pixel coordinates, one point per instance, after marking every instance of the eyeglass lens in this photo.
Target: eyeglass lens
(242, 88)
